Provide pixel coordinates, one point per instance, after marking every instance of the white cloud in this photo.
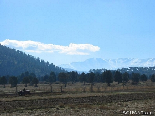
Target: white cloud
(38, 47)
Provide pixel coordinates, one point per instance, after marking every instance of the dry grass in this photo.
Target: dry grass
(79, 87)
(76, 90)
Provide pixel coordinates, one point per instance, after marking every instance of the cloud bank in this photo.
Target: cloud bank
(34, 46)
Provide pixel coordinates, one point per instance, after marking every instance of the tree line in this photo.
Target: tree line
(13, 80)
(107, 76)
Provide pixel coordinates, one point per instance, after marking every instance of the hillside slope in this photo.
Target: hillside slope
(14, 62)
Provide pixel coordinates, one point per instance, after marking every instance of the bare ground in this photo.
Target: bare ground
(105, 105)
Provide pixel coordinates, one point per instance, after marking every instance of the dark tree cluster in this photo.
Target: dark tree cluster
(8, 79)
(25, 78)
(153, 78)
(49, 78)
(3, 81)
(105, 77)
(30, 78)
(13, 81)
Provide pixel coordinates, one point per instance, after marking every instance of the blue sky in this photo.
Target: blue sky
(64, 31)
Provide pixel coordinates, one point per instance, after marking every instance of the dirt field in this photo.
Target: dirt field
(112, 101)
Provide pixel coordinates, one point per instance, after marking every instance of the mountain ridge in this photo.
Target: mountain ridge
(14, 62)
(99, 63)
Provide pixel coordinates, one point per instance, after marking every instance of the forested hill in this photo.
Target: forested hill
(14, 62)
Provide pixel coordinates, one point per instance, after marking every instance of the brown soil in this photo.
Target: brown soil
(113, 104)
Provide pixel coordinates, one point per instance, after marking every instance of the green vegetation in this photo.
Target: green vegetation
(63, 78)
(108, 77)
(26, 81)
(153, 78)
(35, 81)
(13, 81)
(3, 81)
(135, 78)
(117, 77)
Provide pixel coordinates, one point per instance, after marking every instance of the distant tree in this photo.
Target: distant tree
(31, 76)
(26, 80)
(3, 81)
(91, 77)
(52, 77)
(73, 76)
(125, 78)
(63, 78)
(97, 77)
(20, 77)
(83, 77)
(35, 81)
(91, 80)
(108, 77)
(46, 78)
(26, 74)
(76, 77)
(118, 77)
(135, 78)
(143, 77)
(103, 77)
(153, 78)
(13, 81)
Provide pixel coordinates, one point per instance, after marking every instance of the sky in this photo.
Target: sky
(65, 31)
